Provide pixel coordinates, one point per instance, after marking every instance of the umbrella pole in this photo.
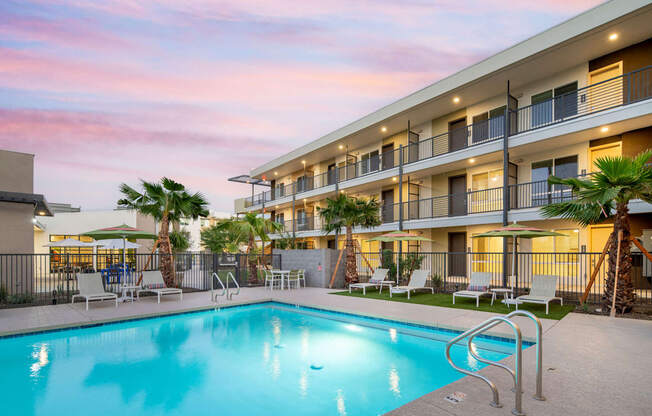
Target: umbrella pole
(124, 261)
(513, 276)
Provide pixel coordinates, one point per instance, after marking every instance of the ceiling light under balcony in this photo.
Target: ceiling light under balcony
(472, 160)
(303, 161)
(341, 146)
(613, 36)
(275, 173)
(383, 129)
(394, 178)
(456, 100)
(604, 129)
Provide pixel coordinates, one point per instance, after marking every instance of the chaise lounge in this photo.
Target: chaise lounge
(478, 286)
(153, 283)
(378, 279)
(91, 288)
(542, 292)
(417, 282)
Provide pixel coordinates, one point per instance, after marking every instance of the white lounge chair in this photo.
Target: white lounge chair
(542, 292)
(153, 283)
(91, 288)
(417, 282)
(378, 279)
(478, 286)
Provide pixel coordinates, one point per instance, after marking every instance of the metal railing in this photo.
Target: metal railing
(517, 373)
(622, 90)
(301, 223)
(614, 92)
(225, 290)
(472, 202)
(450, 271)
(32, 279)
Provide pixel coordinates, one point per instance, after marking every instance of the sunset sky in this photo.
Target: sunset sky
(104, 92)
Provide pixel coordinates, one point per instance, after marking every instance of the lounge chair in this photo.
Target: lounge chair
(91, 288)
(478, 286)
(542, 292)
(417, 282)
(378, 279)
(153, 283)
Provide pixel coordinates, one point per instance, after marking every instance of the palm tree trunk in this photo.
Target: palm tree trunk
(351, 274)
(166, 251)
(251, 262)
(625, 295)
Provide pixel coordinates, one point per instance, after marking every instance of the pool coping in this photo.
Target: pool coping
(385, 319)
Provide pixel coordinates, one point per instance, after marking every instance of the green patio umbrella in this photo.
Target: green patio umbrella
(121, 231)
(399, 236)
(517, 231)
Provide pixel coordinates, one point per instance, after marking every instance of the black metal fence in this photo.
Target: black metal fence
(33, 279)
(450, 271)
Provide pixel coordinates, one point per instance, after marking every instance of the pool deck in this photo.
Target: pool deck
(592, 365)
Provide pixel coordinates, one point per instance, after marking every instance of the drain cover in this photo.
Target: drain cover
(316, 366)
(456, 397)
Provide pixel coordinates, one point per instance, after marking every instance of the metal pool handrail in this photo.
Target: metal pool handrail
(539, 374)
(225, 290)
(517, 411)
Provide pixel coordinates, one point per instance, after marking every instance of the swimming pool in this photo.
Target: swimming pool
(258, 359)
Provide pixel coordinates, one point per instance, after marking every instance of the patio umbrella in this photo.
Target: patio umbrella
(70, 242)
(517, 231)
(399, 236)
(117, 243)
(121, 231)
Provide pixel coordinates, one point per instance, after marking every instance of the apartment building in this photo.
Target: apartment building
(474, 150)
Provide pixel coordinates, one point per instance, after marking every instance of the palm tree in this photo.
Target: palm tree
(247, 228)
(167, 202)
(347, 212)
(219, 241)
(605, 195)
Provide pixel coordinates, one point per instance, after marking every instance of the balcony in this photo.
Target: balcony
(301, 223)
(630, 88)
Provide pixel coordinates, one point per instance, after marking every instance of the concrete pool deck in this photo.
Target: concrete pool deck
(592, 365)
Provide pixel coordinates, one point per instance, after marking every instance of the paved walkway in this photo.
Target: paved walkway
(592, 365)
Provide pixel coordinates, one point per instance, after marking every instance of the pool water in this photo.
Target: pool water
(265, 359)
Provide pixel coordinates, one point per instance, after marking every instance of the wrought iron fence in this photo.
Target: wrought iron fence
(450, 270)
(31, 279)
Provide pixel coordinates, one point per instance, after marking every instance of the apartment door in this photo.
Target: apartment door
(596, 152)
(457, 254)
(388, 205)
(388, 156)
(331, 174)
(598, 236)
(457, 135)
(413, 147)
(605, 90)
(457, 195)
(331, 244)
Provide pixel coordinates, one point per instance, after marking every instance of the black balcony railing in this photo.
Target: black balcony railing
(472, 202)
(301, 223)
(626, 89)
(614, 92)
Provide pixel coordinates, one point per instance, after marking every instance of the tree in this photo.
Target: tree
(219, 240)
(180, 241)
(167, 202)
(348, 212)
(247, 228)
(605, 195)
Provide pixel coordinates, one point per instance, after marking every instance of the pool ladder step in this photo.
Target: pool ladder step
(225, 290)
(517, 372)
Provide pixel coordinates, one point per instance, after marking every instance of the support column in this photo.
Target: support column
(400, 209)
(506, 184)
(294, 222)
(337, 194)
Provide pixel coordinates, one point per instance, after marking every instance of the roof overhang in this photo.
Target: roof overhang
(41, 208)
(573, 42)
(249, 180)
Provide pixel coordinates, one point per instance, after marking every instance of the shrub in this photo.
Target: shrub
(3, 293)
(20, 299)
(387, 262)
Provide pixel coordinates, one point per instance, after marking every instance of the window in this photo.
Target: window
(542, 192)
(556, 255)
(545, 108)
(487, 254)
(484, 198)
(369, 162)
(489, 125)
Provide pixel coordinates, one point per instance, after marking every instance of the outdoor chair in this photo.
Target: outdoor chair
(542, 292)
(417, 282)
(378, 279)
(271, 279)
(91, 288)
(153, 283)
(478, 286)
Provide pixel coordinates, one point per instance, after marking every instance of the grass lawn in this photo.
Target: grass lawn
(446, 300)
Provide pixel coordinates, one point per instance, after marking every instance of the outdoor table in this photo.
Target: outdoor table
(283, 274)
(384, 283)
(504, 291)
(125, 289)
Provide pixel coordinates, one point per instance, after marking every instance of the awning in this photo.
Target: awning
(41, 207)
(248, 179)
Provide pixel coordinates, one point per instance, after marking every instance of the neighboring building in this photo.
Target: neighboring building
(21, 210)
(194, 227)
(435, 159)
